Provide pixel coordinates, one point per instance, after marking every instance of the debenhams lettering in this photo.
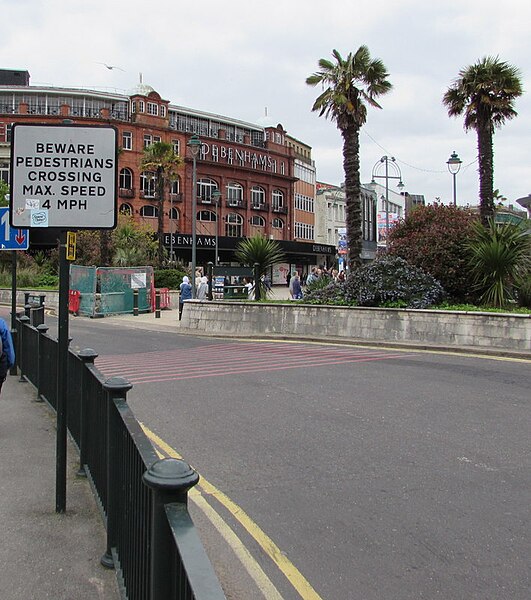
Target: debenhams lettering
(244, 158)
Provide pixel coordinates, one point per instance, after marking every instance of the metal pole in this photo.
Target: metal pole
(171, 228)
(194, 217)
(217, 226)
(455, 197)
(13, 370)
(62, 361)
(386, 202)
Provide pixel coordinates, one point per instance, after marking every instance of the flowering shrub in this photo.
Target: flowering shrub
(388, 281)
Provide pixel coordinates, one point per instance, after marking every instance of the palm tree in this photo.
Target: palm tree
(260, 252)
(349, 85)
(485, 93)
(161, 158)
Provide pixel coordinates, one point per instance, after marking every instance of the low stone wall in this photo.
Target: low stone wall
(483, 331)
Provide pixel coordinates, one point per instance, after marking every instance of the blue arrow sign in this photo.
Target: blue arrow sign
(11, 238)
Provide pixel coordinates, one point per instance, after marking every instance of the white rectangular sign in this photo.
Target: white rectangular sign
(63, 176)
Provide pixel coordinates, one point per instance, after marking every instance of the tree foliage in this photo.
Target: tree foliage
(433, 238)
(258, 250)
(350, 85)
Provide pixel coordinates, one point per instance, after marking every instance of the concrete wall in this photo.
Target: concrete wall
(488, 331)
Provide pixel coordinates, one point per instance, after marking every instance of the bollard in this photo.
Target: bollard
(157, 304)
(14, 335)
(169, 480)
(210, 273)
(135, 303)
(21, 354)
(257, 290)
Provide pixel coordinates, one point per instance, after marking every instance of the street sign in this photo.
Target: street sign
(11, 238)
(63, 176)
(70, 245)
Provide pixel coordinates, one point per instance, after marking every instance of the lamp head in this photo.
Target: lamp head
(194, 143)
(454, 163)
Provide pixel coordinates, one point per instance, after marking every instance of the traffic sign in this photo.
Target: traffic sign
(63, 176)
(70, 245)
(11, 238)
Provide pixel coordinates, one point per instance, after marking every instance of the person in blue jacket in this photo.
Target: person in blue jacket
(185, 294)
(7, 358)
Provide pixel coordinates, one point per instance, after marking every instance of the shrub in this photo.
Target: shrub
(388, 281)
(169, 278)
(433, 238)
(523, 292)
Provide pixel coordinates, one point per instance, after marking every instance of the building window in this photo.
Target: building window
(175, 187)
(257, 196)
(141, 106)
(305, 203)
(257, 221)
(152, 108)
(147, 184)
(278, 199)
(148, 140)
(234, 225)
(206, 216)
(304, 231)
(4, 172)
(162, 110)
(126, 209)
(234, 194)
(174, 214)
(277, 224)
(176, 146)
(127, 140)
(156, 139)
(126, 179)
(205, 187)
(148, 211)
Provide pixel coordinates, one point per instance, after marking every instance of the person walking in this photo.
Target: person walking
(295, 287)
(7, 358)
(185, 290)
(202, 290)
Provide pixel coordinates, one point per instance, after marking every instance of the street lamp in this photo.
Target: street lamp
(454, 165)
(387, 161)
(216, 195)
(194, 143)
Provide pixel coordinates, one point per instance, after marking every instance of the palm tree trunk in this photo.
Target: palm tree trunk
(351, 166)
(160, 222)
(486, 173)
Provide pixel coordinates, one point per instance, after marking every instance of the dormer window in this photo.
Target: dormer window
(152, 108)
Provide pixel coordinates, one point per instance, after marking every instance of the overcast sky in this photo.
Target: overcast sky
(238, 59)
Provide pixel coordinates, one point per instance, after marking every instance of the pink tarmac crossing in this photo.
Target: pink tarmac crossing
(216, 360)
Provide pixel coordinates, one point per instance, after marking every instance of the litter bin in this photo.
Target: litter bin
(74, 300)
(34, 308)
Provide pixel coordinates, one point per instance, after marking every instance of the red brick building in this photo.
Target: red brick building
(251, 166)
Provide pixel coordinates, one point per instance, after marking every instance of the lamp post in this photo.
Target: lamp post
(216, 195)
(387, 161)
(171, 229)
(454, 165)
(194, 143)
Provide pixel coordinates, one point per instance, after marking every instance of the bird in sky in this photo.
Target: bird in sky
(111, 67)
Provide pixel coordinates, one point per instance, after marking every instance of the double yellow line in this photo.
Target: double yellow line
(286, 567)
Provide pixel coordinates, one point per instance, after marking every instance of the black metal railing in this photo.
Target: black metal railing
(151, 540)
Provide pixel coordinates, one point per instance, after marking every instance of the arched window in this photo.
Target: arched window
(206, 216)
(126, 179)
(147, 184)
(277, 223)
(126, 209)
(257, 221)
(278, 199)
(151, 212)
(205, 187)
(234, 225)
(257, 196)
(174, 214)
(234, 194)
(175, 187)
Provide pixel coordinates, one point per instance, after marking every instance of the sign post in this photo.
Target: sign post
(63, 177)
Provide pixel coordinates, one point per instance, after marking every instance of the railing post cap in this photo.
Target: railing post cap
(170, 474)
(42, 328)
(117, 384)
(87, 354)
(24, 318)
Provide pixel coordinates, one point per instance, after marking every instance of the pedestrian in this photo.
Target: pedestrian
(295, 287)
(249, 287)
(312, 276)
(185, 290)
(267, 282)
(7, 358)
(202, 290)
